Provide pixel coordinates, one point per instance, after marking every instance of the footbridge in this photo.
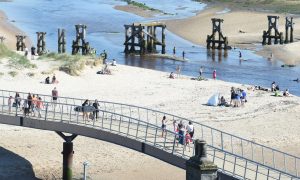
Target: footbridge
(139, 128)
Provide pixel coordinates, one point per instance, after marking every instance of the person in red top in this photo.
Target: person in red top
(214, 74)
(54, 96)
(39, 106)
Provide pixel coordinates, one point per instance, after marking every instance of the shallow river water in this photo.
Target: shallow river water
(106, 31)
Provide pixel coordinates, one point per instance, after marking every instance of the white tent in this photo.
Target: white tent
(213, 100)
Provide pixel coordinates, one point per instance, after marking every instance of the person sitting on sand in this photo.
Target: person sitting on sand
(114, 62)
(47, 80)
(286, 93)
(223, 102)
(172, 76)
(54, 81)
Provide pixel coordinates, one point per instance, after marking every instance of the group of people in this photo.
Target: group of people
(90, 110)
(184, 133)
(32, 104)
(174, 52)
(275, 88)
(53, 81)
(238, 98)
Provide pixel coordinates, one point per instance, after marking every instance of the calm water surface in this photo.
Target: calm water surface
(106, 31)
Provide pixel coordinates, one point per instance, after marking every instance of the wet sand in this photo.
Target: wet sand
(9, 31)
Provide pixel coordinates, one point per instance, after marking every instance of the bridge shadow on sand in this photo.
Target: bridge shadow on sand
(13, 166)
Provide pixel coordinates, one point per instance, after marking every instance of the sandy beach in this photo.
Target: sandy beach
(136, 10)
(264, 119)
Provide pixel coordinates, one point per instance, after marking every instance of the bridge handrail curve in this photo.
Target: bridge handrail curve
(285, 155)
(168, 131)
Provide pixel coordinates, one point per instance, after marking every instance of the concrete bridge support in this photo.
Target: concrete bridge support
(67, 155)
(199, 167)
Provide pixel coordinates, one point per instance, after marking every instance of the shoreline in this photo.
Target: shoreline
(9, 31)
(241, 34)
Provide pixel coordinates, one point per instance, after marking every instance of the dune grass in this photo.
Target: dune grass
(279, 6)
(72, 64)
(15, 60)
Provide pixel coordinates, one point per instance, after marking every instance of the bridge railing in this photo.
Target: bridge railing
(221, 140)
(151, 134)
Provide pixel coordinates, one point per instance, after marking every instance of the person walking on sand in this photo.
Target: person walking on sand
(240, 54)
(54, 96)
(174, 50)
(163, 125)
(178, 70)
(214, 74)
(26, 52)
(183, 55)
(201, 71)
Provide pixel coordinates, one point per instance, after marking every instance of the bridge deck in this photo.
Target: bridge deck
(138, 128)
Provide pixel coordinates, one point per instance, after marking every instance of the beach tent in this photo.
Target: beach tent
(213, 100)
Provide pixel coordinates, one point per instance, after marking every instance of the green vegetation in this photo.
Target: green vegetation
(72, 65)
(279, 6)
(1, 74)
(13, 73)
(141, 5)
(15, 60)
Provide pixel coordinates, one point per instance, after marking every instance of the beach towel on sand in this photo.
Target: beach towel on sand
(213, 100)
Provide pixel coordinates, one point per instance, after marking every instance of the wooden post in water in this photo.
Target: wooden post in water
(268, 35)
(41, 43)
(289, 30)
(222, 41)
(163, 40)
(61, 41)
(145, 35)
(20, 42)
(80, 43)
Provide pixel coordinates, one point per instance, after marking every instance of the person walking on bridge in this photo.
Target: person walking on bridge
(163, 125)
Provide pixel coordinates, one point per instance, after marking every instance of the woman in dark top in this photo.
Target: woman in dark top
(29, 98)
(96, 106)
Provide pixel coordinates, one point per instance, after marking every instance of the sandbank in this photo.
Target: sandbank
(9, 31)
(136, 10)
(243, 28)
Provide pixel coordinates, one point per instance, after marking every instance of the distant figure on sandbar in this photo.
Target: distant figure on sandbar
(201, 71)
(174, 50)
(183, 54)
(240, 54)
(178, 71)
(214, 74)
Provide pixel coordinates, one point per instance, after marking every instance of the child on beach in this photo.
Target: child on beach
(171, 76)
